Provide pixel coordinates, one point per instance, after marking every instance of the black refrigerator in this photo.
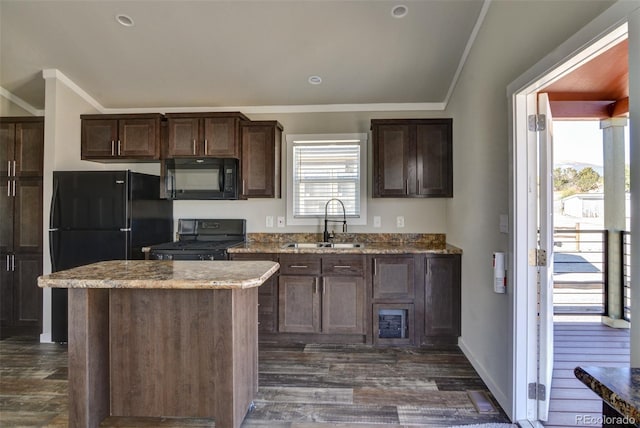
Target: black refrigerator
(102, 215)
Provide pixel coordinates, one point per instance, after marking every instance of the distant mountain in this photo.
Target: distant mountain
(578, 166)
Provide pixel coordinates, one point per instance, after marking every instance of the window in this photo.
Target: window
(323, 167)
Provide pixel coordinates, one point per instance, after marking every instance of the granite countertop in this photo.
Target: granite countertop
(374, 243)
(163, 275)
(617, 386)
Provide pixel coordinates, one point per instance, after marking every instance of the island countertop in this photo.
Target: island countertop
(619, 388)
(163, 274)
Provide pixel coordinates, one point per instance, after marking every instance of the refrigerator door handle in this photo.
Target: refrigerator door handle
(53, 247)
(52, 210)
(125, 229)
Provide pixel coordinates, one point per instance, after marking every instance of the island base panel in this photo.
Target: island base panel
(185, 353)
(88, 347)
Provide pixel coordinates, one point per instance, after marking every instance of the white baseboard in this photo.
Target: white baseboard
(45, 338)
(499, 395)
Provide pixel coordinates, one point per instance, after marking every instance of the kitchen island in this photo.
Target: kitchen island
(619, 388)
(162, 338)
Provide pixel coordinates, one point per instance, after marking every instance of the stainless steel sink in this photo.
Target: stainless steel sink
(305, 245)
(345, 245)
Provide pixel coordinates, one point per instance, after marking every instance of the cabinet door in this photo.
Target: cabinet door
(442, 296)
(99, 138)
(393, 278)
(27, 296)
(7, 202)
(183, 137)
(299, 304)
(343, 305)
(27, 232)
(29, 149)
(259, 161)
(393, 161)
(434, 159)
(7, 145)
(138, 138)
(221, 137)
(6, 290)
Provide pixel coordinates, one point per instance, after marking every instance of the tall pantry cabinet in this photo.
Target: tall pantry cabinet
(21, 170)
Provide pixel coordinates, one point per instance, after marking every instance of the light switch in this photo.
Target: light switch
(400, 221)
(269, 221)
(504, 223)
(377, 221)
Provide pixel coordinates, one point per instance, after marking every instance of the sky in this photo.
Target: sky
(580, 141)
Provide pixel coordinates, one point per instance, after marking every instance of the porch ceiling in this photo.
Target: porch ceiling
(596, 90)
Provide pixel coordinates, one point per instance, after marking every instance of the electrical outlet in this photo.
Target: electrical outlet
(377, 221)
(400, 221)
(269, 221)
(280, 221)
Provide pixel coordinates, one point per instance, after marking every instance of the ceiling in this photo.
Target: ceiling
(237, 53)
(597, 89)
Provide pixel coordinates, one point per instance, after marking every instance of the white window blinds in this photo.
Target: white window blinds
(326, 170)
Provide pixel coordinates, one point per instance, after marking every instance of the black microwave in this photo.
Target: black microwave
(201, 178)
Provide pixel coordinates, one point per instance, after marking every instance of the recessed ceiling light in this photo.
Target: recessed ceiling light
(315, 80)
(399, 11)
(125, 20)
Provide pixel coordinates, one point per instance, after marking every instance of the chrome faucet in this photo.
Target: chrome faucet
(326, 236)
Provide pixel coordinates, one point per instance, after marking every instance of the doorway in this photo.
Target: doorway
(532, 233)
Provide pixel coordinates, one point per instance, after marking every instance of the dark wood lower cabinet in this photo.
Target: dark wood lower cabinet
(267, 295)
(343, 305)
(20, 296)
(442, 297)
(299, 304)
(399, 300)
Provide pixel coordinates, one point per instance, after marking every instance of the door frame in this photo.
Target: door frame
(607, 29)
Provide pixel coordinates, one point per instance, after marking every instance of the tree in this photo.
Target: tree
(587, 180)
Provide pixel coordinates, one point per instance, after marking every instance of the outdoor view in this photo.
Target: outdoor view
(579, 217)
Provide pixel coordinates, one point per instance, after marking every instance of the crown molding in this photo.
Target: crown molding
(467, 49)
(53, 73)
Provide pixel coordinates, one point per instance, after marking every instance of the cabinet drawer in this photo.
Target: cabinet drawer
(343, 265)
(299, 265)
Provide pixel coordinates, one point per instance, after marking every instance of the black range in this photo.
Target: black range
(202, 239)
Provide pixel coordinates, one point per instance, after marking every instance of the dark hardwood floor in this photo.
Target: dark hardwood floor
(582, 343)
(300, 386)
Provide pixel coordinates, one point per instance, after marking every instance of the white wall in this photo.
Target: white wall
(514, 36)
(8, 108)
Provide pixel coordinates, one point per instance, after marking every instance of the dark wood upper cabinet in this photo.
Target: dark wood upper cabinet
(261, 172)
(412, 158)
(204, 135)
(21, 147)
(121, 137)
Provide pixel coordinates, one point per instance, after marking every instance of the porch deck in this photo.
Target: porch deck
(582, 343)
